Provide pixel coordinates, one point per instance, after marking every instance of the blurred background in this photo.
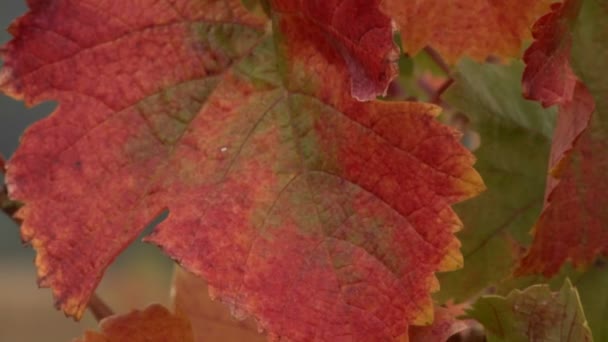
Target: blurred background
(141, 275)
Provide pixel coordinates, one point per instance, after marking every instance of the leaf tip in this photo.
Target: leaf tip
(426, 315)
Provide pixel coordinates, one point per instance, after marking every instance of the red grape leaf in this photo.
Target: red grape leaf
(478, 28)
(548, 77)
(569, 226)
(445, 325)
(322, 216)
(574, 220)
(358, 30)
(153, 324)
(211, 321)
(86, 170)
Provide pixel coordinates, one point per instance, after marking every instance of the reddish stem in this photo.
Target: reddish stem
(437, 96)
(7, 206)
(99, 308)
(435, 93)
(436, 57)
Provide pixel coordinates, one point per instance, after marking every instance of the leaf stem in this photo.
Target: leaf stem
(99, 308)
(434, 94)
(437, 96)
(436, 57)
(7, 206)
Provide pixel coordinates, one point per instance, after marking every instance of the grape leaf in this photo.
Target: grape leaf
(153, 324)
(573, 223)
(570, 225)
(445, 325)
(548, 77)
(321, 216)
(211, 321)
(85, 171)
(367, 46)
(496, 223)
(590, 284)
(477, 29)
(534, 314)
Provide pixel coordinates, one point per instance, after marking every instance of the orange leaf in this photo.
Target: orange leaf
(476, 28)
(211, 321)
(154, 324)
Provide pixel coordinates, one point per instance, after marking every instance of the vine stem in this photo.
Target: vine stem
(6, 205)
(436, 57)
(99, 308)
(435, 93)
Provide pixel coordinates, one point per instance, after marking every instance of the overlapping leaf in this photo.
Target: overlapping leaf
(548, 77)
(445, 325)
(534, 314)
(475, 28)
(322, 216)
(211, 321)
(574, 220)
(592, 286)
(496, 223)
(154, 324)
(357, 30)
(508, 129)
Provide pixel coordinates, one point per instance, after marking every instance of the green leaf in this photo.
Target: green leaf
(592, 287)
(591, 284)
(512, 158)
(534, 314)
(590, 51)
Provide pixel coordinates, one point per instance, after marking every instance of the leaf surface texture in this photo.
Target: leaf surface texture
(323, 217)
